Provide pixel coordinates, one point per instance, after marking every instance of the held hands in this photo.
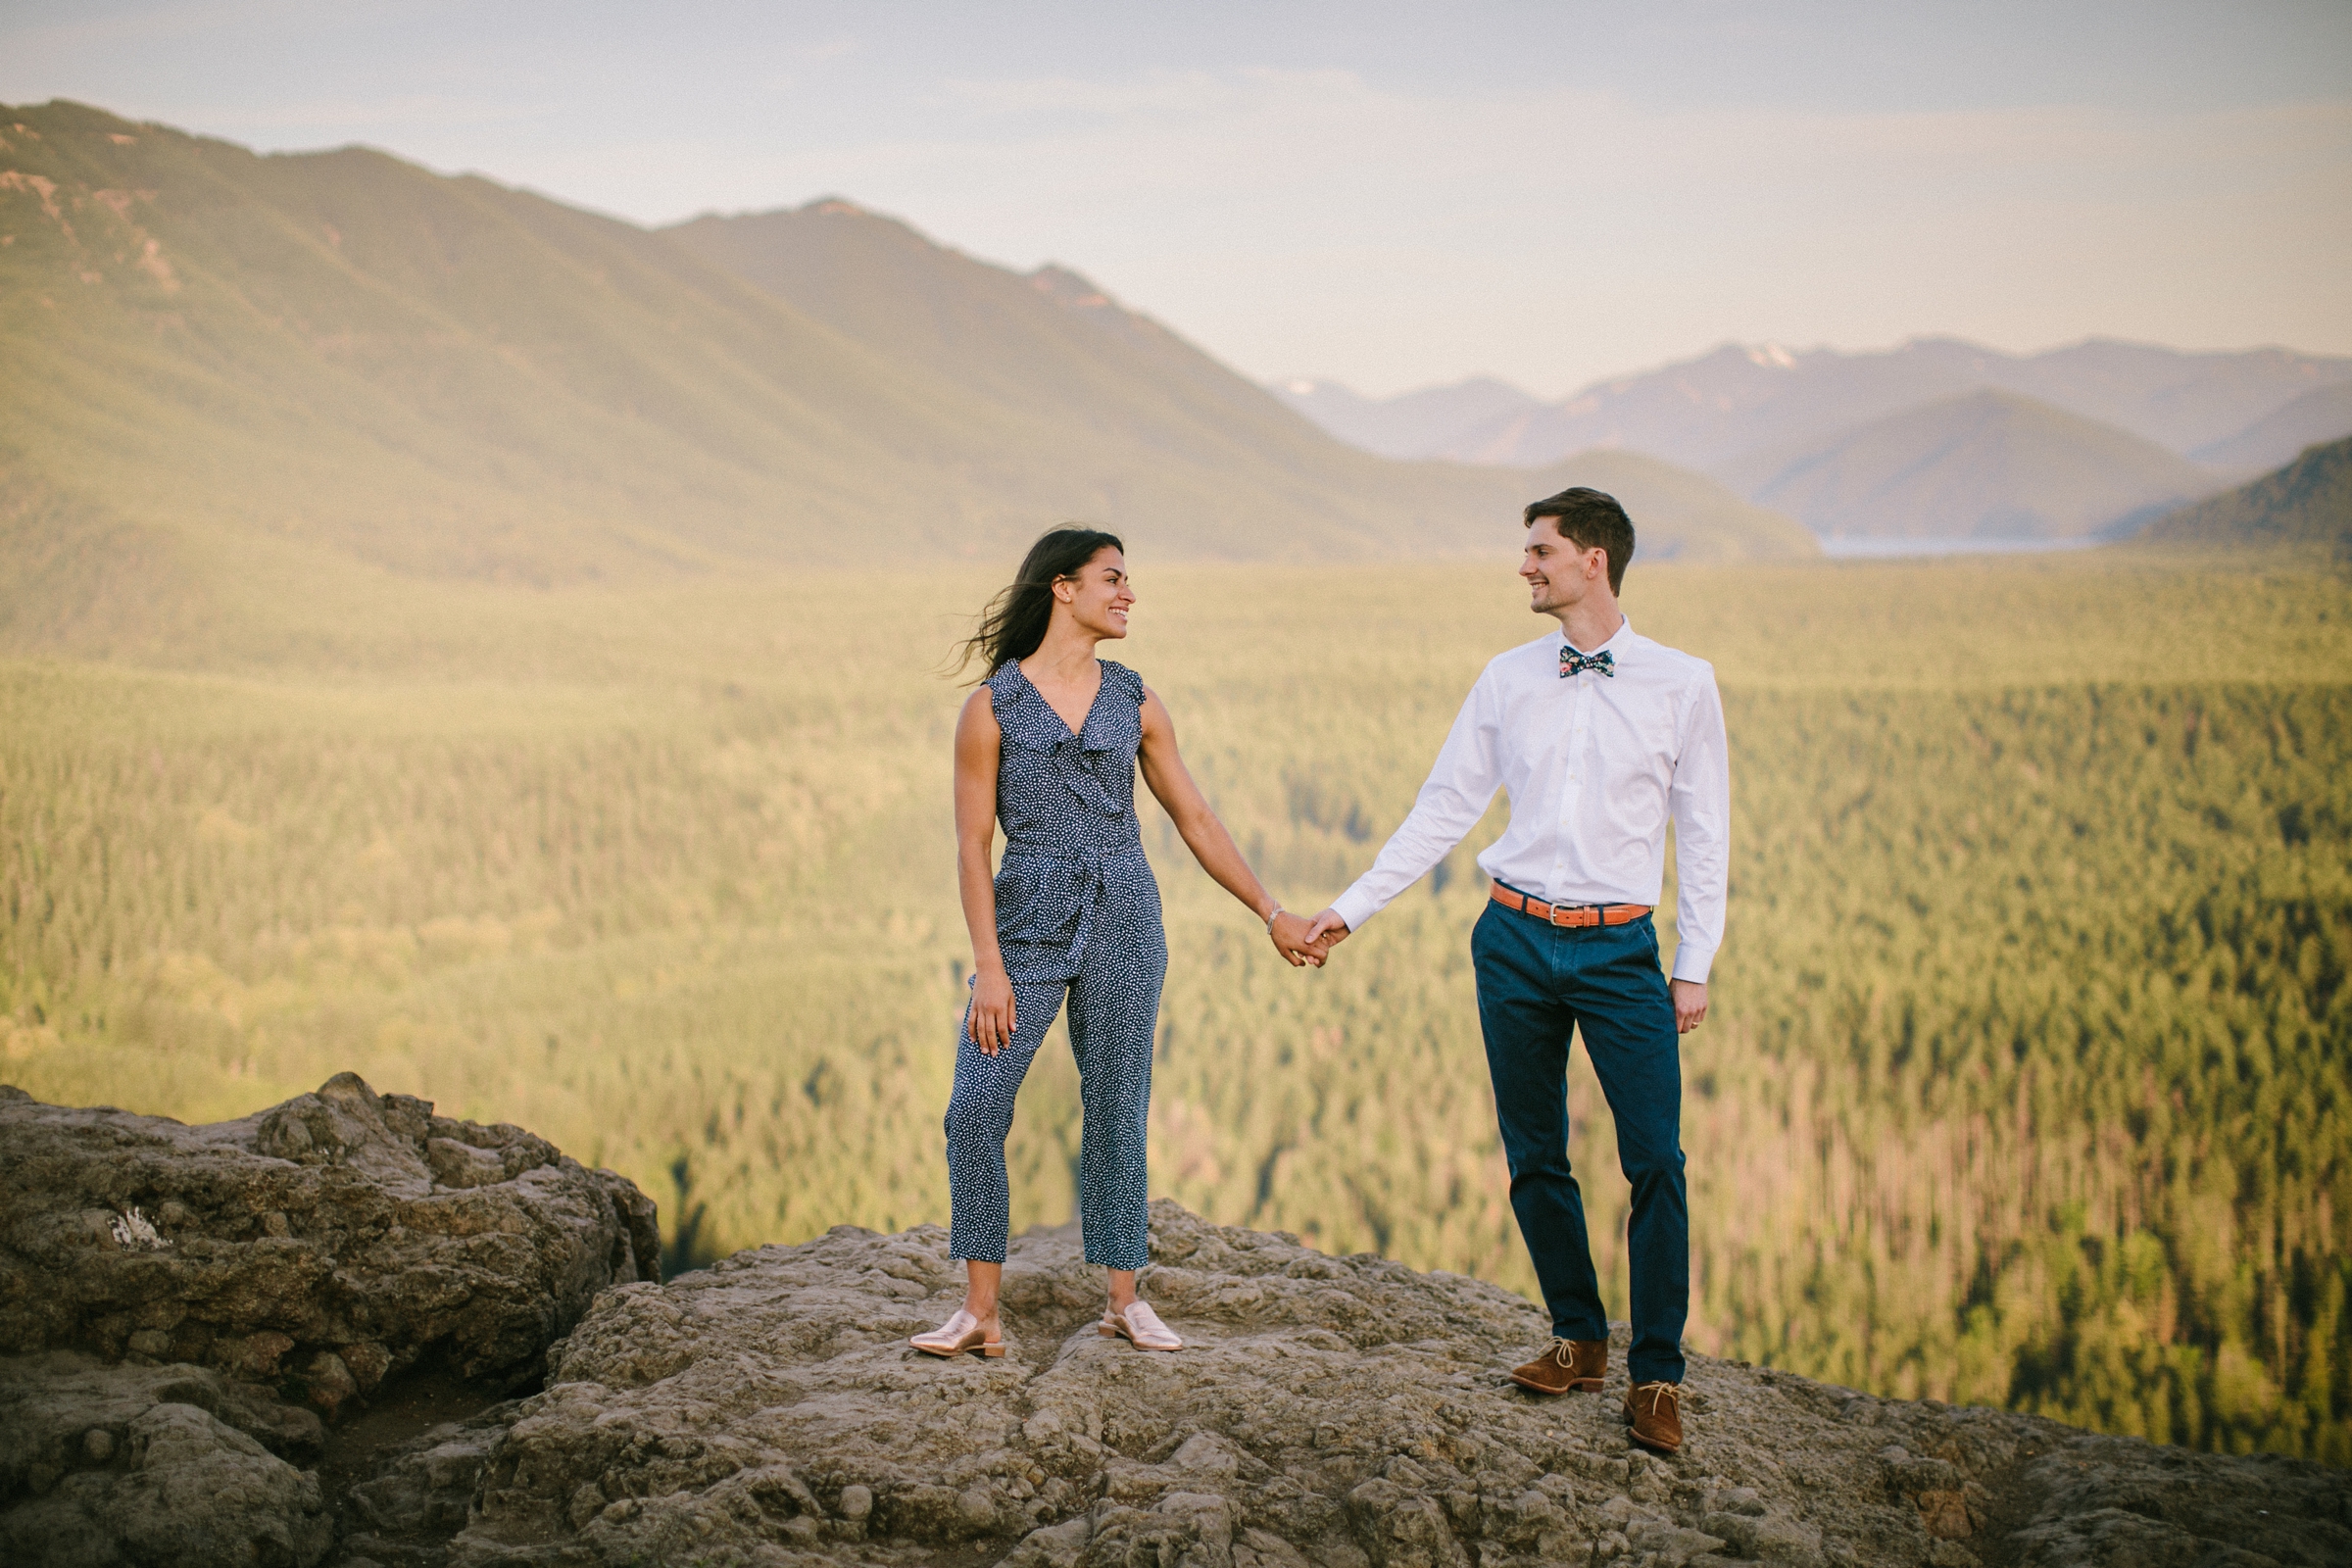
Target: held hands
(1328, 930)
(1294, 942)
(991, 1018)
(1303, 943)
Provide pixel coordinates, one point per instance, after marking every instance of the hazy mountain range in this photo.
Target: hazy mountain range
(1979, 466)
(1427, 423)
(1890, 443)
(225, 369)
(1738, 400)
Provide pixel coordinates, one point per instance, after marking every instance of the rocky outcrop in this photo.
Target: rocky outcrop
(1336, 1412)
(184, 1304)
(326, 1241)
(1343, 1412)
(154, 1464)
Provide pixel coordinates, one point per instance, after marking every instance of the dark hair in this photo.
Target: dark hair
(1016, 620)
(1593, 520)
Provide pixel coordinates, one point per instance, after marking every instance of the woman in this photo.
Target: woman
(1048, 746)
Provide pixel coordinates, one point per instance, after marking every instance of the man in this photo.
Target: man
(1600, 735)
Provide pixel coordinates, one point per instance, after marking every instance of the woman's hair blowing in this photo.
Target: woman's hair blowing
(1016, 620)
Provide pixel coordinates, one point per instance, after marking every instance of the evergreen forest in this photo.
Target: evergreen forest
(2025, 1081)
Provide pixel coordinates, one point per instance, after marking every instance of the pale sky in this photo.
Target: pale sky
(1389, 195)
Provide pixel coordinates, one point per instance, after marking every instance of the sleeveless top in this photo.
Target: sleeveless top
(1067, 805)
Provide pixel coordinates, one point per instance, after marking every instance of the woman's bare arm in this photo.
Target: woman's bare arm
(978, 745)
(1171, 784)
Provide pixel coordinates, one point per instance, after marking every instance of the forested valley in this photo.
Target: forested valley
(2025, 1081)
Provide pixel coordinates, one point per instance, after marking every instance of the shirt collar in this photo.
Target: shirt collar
(1620, 641)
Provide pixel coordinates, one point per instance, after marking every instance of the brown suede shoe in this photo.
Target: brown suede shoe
(1656, 1410)
(1570, 1366)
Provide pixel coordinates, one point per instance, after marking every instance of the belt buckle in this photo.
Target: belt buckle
(1566, 915)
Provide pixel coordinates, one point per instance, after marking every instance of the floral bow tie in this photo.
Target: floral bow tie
(1572, 662)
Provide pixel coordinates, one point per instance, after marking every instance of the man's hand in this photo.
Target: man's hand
(1690, 1004)
(1291, 941)
(1327, 931)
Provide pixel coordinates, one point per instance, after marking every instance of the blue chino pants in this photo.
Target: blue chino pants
(1536, 984)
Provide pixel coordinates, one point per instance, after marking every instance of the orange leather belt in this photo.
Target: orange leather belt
(1569, 914)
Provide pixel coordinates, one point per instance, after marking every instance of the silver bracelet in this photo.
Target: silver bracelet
(1270, 914)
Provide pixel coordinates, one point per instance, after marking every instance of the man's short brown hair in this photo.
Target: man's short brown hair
(1591, 519)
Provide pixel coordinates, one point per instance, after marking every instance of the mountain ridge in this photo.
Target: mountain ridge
(352, 376)
(1423, 423)
(2318, 416)
(2304, 505)
(1984, 465)
(1738, 398)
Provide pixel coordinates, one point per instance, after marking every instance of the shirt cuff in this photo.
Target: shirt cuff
(1355, 907)
(1693, 962)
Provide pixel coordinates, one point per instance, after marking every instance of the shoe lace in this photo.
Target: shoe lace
(1562, 1351)
(1660, 1391)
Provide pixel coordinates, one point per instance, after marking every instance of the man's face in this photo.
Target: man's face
(1558, 573)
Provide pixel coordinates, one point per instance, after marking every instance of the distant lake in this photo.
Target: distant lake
(1863, 549)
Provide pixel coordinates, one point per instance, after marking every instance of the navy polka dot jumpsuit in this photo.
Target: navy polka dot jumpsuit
(1077, 917)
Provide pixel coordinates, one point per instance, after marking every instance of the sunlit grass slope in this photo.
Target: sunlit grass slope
(2025, 1081)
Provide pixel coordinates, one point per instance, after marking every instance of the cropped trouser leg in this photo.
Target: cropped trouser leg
(1115, 1007)
(1536, 985)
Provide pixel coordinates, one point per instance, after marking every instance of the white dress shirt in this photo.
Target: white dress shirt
(1595, 765)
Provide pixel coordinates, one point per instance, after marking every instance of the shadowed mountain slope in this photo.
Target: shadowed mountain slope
(2306, 506)
(2318, 416)
(1738, 399)
(338, 367)
(1985, 465)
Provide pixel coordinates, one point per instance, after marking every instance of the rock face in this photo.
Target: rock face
(177, 1464)
(1344, 1412)
(329, 1241)
(177, 1287)
(1334, 1412)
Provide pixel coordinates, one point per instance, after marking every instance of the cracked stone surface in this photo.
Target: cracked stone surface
(1341, 1412)
(319, 1244)
(196, 1299)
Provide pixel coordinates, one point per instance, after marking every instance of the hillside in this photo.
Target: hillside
(1741, 398)
(1050, 345)
(2306, 506)
(334, 376)
(1422, 424)
(1984, 465)
(2319, 415)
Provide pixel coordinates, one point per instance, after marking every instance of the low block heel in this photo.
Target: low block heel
(1107, 1330)
(994, 1350)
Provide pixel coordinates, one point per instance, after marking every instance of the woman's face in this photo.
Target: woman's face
(1097, 594)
